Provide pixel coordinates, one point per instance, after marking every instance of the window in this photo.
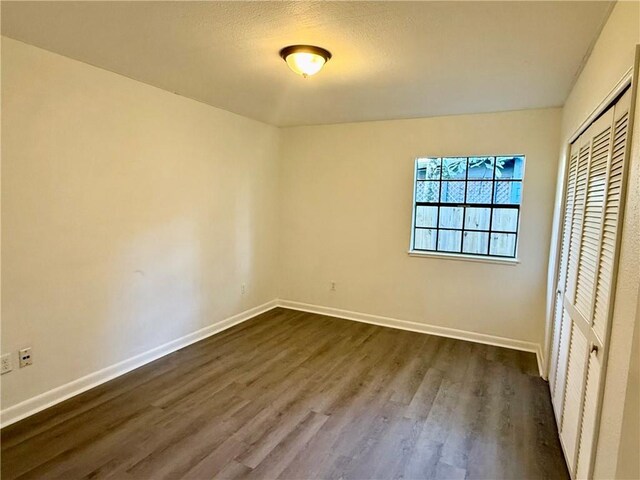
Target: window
(468, 205)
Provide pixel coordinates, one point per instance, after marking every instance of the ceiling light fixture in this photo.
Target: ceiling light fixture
(305, 60)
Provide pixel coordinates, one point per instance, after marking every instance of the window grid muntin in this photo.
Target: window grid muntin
(491, 206)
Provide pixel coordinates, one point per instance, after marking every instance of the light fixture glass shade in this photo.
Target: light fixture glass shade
(305, 60)
(304, 63)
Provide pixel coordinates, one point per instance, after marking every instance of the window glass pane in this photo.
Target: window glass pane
(479, 192)
(476, 242)
(477, 218)
(481, 168)
(454, 168)
(426, 216)
(449, 240)
(510, 167)
(428, 169)
(424, 239)
(508, 193)
(469, 205)
(451, 217)
(503, 244)
(427, 191)
(505, 219)
(452, 192)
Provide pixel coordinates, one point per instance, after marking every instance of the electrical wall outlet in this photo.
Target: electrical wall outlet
(6, 365)
(243, 289)
(25, 357)
(333, 286)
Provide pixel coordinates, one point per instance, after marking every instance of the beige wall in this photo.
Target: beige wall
(130, 217)
(628, 462)
(619, 427)
(611, 58)
(346, 205)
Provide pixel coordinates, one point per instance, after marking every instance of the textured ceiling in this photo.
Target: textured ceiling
(390, 59)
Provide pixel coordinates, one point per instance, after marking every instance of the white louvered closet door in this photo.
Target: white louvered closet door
(588, 255)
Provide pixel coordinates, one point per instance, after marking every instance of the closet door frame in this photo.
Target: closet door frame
(628, 81)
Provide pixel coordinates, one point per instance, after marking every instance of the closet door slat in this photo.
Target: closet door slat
(562, 270)
(576, 221)
(594, 204)
(573, 394)
(612, 209)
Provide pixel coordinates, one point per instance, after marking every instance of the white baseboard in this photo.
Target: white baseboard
(542, 364)
(421, 328)
(52, 397)
(45, 400)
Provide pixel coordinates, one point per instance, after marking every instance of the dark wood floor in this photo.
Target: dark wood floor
(296, 395)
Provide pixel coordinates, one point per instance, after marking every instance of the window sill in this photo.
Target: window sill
(465, 258)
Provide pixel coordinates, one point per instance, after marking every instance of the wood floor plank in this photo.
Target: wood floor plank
(296, 395)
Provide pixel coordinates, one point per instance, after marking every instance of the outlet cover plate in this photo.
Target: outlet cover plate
(24, 355)
(6, 365)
